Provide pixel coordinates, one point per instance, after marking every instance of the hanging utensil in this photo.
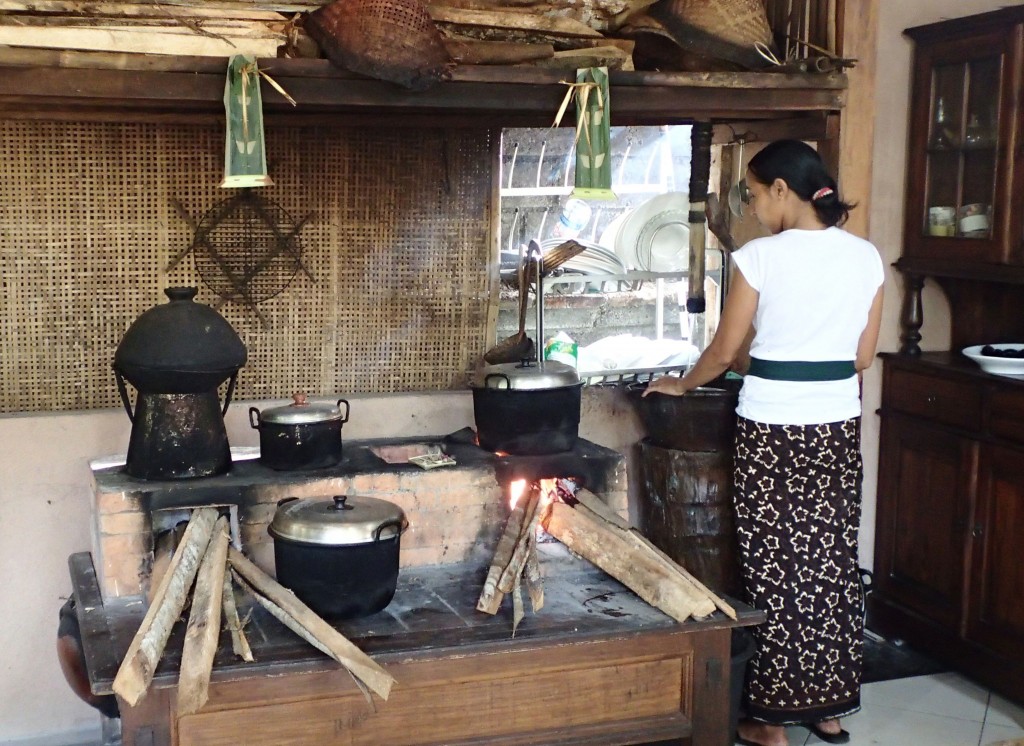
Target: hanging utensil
(518, 346)
(739, 187)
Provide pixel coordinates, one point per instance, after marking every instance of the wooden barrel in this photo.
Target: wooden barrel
(686, 511)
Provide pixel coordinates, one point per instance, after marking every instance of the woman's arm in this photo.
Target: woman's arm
(737, 320)
(741, 363)
(869, 337)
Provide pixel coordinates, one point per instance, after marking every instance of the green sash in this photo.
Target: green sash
(801, 370)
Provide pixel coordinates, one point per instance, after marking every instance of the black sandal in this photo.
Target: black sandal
(841, 737)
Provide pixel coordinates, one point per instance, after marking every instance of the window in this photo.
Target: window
(632, 276)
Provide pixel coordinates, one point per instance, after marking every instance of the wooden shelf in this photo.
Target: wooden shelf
(65, 84)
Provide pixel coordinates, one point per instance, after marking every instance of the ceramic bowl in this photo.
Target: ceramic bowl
(1000, 366)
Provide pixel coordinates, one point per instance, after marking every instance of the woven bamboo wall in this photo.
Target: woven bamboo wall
(399, 243)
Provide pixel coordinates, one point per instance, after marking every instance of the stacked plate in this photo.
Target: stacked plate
(594, 260)
(654, 236)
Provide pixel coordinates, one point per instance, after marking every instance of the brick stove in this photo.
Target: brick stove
(452, 511)
(596, 665)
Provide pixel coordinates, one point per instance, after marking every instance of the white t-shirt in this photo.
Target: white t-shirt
(816, 288)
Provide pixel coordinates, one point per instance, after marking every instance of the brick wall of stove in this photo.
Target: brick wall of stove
(452, 513)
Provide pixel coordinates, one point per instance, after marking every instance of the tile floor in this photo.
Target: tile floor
(942, 709)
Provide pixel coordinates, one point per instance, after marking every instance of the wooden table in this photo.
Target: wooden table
(595, 666)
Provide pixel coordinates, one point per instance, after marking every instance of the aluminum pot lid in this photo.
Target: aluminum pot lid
(527, 375)
(304, 412)
(339, 521)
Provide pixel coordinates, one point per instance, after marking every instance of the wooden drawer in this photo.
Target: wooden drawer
(1006, 415)
(941, 399)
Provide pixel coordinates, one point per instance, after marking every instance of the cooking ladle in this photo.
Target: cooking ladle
(735, 197)
(518, 346)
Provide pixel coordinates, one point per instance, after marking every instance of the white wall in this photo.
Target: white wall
(892, 99)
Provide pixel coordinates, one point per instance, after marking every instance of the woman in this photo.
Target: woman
(802, 319)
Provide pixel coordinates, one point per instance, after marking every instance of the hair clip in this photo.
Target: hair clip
(823, 192)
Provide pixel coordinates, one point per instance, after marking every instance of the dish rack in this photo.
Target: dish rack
(624, 376)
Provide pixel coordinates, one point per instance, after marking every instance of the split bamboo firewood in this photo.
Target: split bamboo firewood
(139, 665)
(203, 629)
(239, 642)
(636, 567)
(595, 504)
(490, 596)
(514, 569)
(479, 52)
(534, 578)
(337, 645)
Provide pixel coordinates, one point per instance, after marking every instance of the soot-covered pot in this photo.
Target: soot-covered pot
(302, 435)
(527, 408)
(339, 555)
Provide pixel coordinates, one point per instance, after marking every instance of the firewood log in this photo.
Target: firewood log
(632, 564)
(139, 665)
(203, 629)
(478, 52)
(239, 642)
(601, 508)
(334, 643)
(490, 596)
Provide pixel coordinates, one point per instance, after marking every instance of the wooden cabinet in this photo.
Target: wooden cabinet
(963, 168)
(950, 516)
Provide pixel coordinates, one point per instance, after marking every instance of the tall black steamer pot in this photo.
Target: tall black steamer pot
(302, 435)
(527, 408)
(176, 355)
(340, 555)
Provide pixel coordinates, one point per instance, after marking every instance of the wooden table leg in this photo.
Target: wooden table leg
(149, 722)
(711, 665)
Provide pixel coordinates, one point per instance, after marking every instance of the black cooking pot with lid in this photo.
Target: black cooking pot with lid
(302, 435)
(180, 347)
(339, 555)
(527, 408)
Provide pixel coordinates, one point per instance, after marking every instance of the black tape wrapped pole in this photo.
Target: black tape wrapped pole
(700, 175)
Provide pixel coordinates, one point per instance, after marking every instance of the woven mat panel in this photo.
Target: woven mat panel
(397, 243)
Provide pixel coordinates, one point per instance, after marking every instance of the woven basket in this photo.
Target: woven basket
(740, 22)
(393, 40)
(718, 29)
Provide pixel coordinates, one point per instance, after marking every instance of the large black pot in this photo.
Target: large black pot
(339, 556)
(527, 409)
(300, 436)
(703, 419)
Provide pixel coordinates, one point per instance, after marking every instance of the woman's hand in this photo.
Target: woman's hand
(666, 385)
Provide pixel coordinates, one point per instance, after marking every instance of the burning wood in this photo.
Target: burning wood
(588, 527)
(204, 556)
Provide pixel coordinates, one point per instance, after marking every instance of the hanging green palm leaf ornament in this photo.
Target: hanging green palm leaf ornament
(593, 133)
(245, 153)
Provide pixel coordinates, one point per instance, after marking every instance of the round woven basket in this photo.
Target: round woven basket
(740, 22)
(392, 40)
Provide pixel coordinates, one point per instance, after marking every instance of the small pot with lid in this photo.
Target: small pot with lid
(303, 435)
(527, 408)
(339, 555)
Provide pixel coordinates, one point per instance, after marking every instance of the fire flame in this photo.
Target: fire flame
(516, 490)
(548, 491)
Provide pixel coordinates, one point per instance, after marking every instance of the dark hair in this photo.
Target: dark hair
(800, 166)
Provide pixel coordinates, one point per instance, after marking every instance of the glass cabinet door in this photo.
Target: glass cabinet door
(961, 149)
